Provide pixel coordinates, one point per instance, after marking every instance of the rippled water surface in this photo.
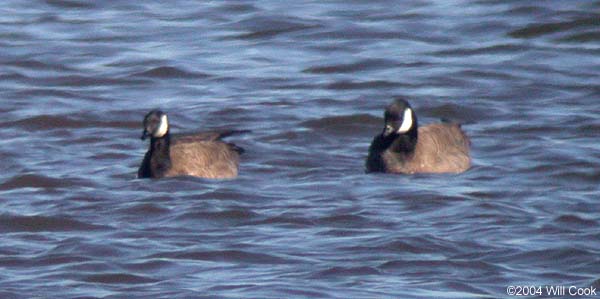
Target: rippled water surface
(310, 79)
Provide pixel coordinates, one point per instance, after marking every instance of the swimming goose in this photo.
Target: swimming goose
(403, 147)
(200, 154)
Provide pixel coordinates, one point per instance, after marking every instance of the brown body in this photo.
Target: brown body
(201, 155)
(440, 148)
(213, 159)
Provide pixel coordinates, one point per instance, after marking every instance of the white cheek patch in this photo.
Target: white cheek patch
(162, 127)
(407, 121)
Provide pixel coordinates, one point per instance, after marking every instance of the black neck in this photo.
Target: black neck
(160, 158)
(403, 143)
(157, 160)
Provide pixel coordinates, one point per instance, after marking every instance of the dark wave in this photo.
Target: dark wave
(237, 7)
(147, 209)
(226, 256)
(229, 215)
(41, 181)
(443, 267)
(10, 295)
(53, 259)
(118, 278)
(72, 80)
(555, 257)
(149, 265)
(38, 223)
(284, 220)
(362, 34)
(38, 65)
(489, 50)
(82, 81)
(346, 271)
(345, 220)
(13, 76)
(455, 112)
(539, 29)
(363, 65)
(167, 72)
(586, 37)
(51, 122)
(416, 245)
(260, 27)
(574, 220)
(343, 125)
(528, 10)
(373, 84)
(70, 4)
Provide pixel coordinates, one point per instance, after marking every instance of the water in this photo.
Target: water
(310, 80)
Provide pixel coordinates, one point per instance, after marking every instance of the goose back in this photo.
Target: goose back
(197, 155)
(201, 154)
(440, 148)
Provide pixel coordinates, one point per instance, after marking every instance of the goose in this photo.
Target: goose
(200, 154)
(403, 147)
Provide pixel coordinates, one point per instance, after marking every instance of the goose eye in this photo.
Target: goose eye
(388, 129)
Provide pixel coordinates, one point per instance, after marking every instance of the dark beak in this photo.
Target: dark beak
(144, 135)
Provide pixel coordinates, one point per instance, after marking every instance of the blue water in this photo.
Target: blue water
(310, 80)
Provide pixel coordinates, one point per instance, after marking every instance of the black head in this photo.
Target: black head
(399, 118)
(155, 124)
